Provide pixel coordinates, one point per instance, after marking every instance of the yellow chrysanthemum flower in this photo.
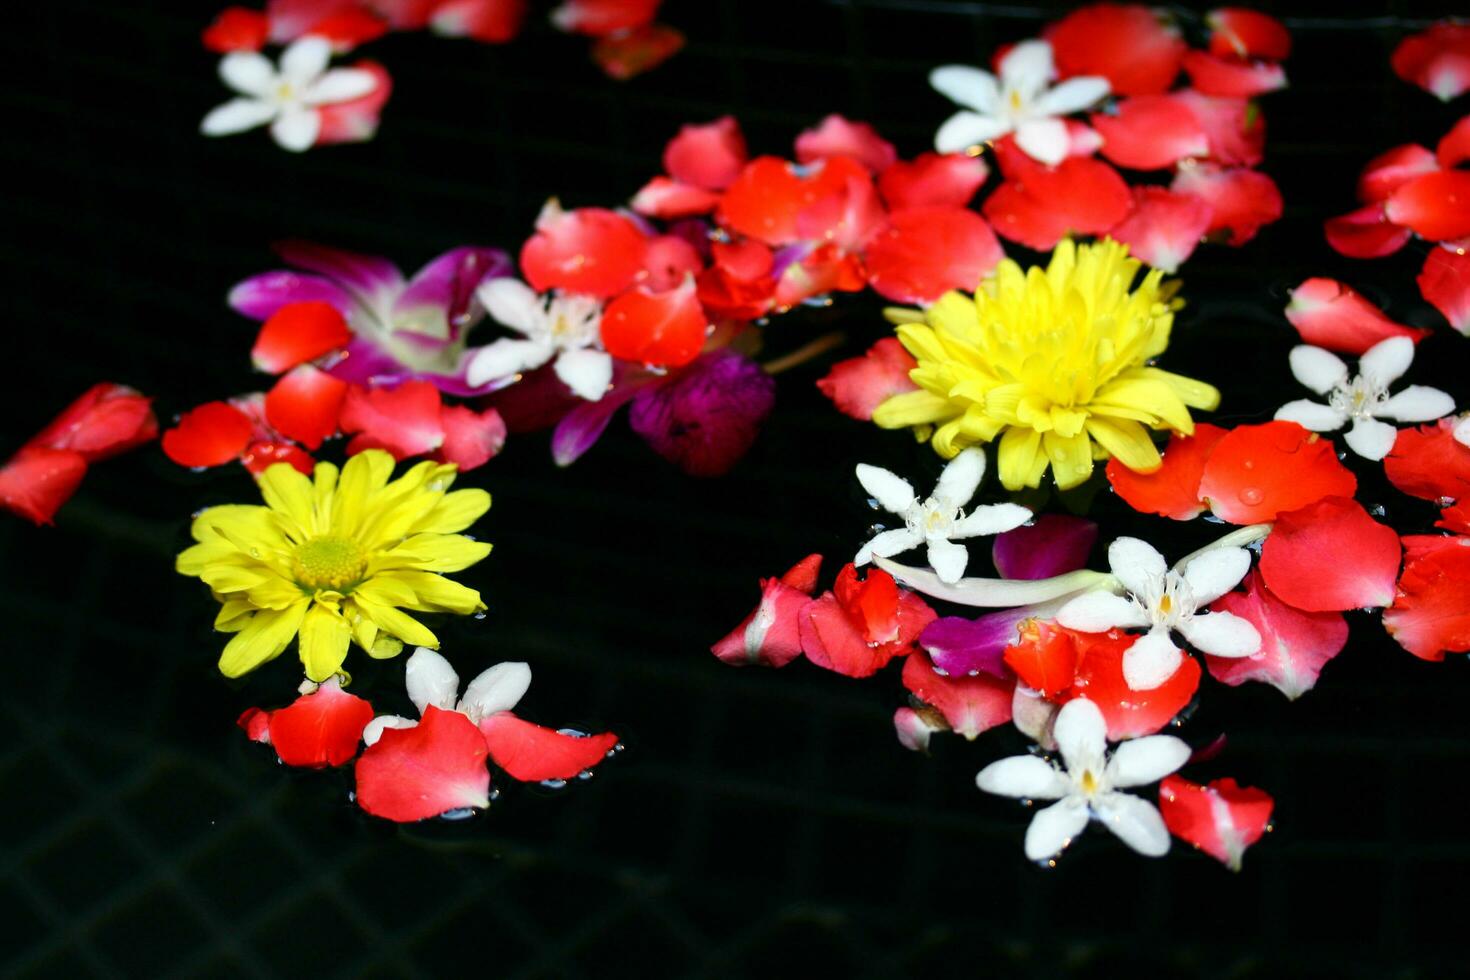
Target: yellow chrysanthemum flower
(336, 560)
(1053, 361)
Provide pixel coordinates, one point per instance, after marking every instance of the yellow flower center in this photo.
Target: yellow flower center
(328, 563)
(1089, 782)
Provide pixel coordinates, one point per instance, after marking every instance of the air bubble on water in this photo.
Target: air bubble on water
(874, 529)
(584, 775)
(351, 796)
(494, 794)
(198, 469)
(615, 750)
(554, 783)
(481, 614)
(461, 813)
(575, 733)
(1378, 510)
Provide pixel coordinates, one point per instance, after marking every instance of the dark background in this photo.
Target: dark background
(758, 823)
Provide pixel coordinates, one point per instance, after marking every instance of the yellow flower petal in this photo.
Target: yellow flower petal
(396, 624)
(263, 638)
(911, 408)
(1126, 441)
(455, 511)
(324, 638)
(1016, 458)
(435, 593)
(1071, 458)
(364, 476)
(1148, 395)
(434, 553)
(1195, 394)
(288, 492)
(234, 615)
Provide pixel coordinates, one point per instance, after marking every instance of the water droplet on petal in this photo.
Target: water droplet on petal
(1251, 496)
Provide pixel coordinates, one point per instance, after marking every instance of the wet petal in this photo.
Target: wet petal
(1140, 761)
(1024, 777)
(1135, 822)
(1216, 572)
(1150, 661)
(1053, 828)
(1136, 563)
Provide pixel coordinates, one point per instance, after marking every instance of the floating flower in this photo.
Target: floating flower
(560, 329)
(1020, 101)
(1055, 362)
(288, 98)
(333, 560)
(1363, 399)
(1162, 600)
(939, 521)
(1087, 787)
(1221, 819)
(321, 728)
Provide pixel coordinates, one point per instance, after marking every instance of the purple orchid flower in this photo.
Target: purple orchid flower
(402, 329)
(1053, 544)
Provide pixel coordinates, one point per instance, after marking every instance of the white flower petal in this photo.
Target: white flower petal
(1150, 661)
(947, 559)
(1386, 361)
(1462, 431)
(504, 359)
(966, 129)
(1318, 369)
(966, 86)
(296, 129)
(1311, 415)
(430, 679)
(1370, 438)
(1081, 734)
(886, 544)
(512, 303)
(1073, 95)
(1416, 403)
(248, 73)
(1222, 634)
(989, 519)
(498, 688)
(893, 493)
(1053, 828)
(375, 728)
(587, 372)
(1140, 761)
(1043, 140)
(1099, 611)
(1027, 69)
(1136, 563)
(960, 479)
(1135, 822)
(1215, 573)
(305, 59)
(339, 85)
(236, 116)
(1024, 777)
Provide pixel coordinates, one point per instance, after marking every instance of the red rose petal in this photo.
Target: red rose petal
(1331, 556)
(708, 156)
(356, 120)
(416, 773)
(1150, 132)
(666, 328)
(942, 179)
(297, 333)
(1041, 207)
(212, 434)
(1429, 462)
(622, 56)
(586, 250)
(1434, 206)
(256, 724)
(105, 420)
(1221, 819)
(764, 201)
(261, 455)
(1234, 129)
(927, 251)
(1128, 713)
(863, 625)
(971, 705)
(1456, 518)
(319, 729)
(847, 216)
(1365, 233)
(1231, 76)
(1257, 472)
(404, 420)
(770, 635)
(601, 17)
(1172, 490)
(836, 136)
(1437, 60)
(236, 29)
(531, 753)
(1431, 611)
(1235, 31)
(1164, 226)
(1295, 645)
(1241, 200)
(471, 438)
(1445, 282)
(667, 261)
(1454, 148)
(38, 480)
(486, 21)
(1390, 170)
(1044, 657)
(304, 405)
(1329, 314)
(860, 384)
(665, 198)
(1129, 45)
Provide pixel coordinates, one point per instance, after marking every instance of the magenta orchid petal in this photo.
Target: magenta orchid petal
(579, 429)
(440, 299)
(706, 417)
(371, 280)
(261, 296)
(960, 646)
(1051, 545)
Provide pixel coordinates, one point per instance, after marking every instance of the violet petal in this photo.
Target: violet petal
(1051, 545)
(440, 299)
(704, 418)
(371, 280)
(960, 646)
(261, 296)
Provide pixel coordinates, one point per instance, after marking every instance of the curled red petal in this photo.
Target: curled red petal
(1164, 226)
(623, 55)
(1437, 60)
(1365, 233)
(1393, 168)
(1428, 462)
(404, 420)
(38, 480)
(1242, 33)
(1329, 314)
(262, 454)
(1172, 490)
(1231, 76)
(860, 384)
(356, 120)
(765, 200)
(1454, 148)
(304, 405)
(1331, 556)
(602, 17)
(1434, 206)
(416, 773)
(970, 705)
(531, 753)
(297, 333)
(1445, 282)
(1128, 44)
(210, 435)
(1044, 657)
(486, 21)
(1234, 129)
(1456, 518)
(664, 198)
(927, 251)
(105, 420)
(1040, 207)
(471, 438)
(236, 29)
(586, 250)
(708, 156)
(1241, 200)
(256, 724)
(1295, 645)
(1128, 713)
(1221, 819)
(319, 729)
(1431, 609)
(1150, 132)
(944, 179)
(1257, 472)
(666, 328)
(837, 136)
(770, 635)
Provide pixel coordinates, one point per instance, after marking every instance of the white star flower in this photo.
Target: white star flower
(1087, 788)
(937, 522)
(1162, 600)
(288, 98)
(1364, 399)
(1021, 101)
(562, 326)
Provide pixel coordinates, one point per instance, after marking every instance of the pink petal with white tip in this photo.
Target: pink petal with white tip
(1445, 282)
(1330, 314)
(770, 635)
(1295, 645)
(1221, 819)
(1164, 227)
(970, 705)
(1241, 201)
(416, 773)
(837, 136)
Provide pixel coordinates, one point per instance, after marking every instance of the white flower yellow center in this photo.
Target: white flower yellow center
(1358, 398)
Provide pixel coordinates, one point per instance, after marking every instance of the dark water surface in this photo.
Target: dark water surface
(759, 823)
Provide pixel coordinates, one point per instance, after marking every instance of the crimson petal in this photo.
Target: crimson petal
(1221, 819)
(210, 435)
(1128, 44)
(927, 251)
(1150, 132)
(1329, 314)
(319, 729)
(416, 773)
(404, 420)
(38, 480)
(531, 753)
(1172, 490)
(970, 705)
(1295, 645)
(105, 420)
(1257, 472)
(471, 438)
(836, 136)
(1331, 556)
(860, 384)
(304, 405)
(1164, 227)
(1431, 611)
(1428, 462)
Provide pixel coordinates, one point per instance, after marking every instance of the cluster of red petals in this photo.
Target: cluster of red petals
(106, 420)
(1222, 818)
(1437, 60)
(1431, 612)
